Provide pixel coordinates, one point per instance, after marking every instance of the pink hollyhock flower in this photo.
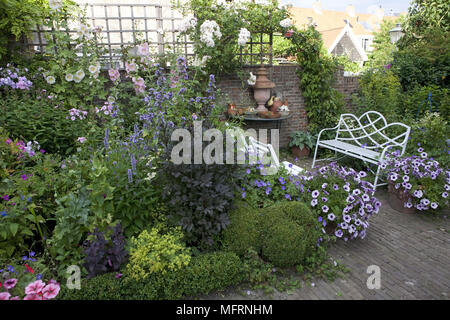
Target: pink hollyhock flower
(114, 74)
(139, 84)
(50, 291)
(130, 67)
(143, 50)
(4, 295)
(35, 287)
(32, 296)
(10, 283)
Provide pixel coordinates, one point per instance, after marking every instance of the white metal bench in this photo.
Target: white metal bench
(367, 138)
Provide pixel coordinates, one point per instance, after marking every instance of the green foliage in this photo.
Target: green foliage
(380, 90)
(153, 252)
(204, 273)
(347, 64)
(243, 231)
(317, 75)
(40, 119)
(431, 133)
(416, 101)
(231, 17)
(17, 18)
(289, 233)
(424, 63)
(424, 15)
(383, 49)
(301, 139)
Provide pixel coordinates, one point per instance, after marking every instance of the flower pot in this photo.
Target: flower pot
(397, 199)
(300, 153)
(276, 104)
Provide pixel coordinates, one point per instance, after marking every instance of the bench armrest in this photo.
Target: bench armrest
(327, 129)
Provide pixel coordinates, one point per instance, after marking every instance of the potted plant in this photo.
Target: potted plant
(301, 143)
(416, 183)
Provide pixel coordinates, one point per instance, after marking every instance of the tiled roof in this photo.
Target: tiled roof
(329, 21)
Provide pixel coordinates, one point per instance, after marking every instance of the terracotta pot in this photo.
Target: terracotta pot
(276, 104)
(300, 153)
(397, 199)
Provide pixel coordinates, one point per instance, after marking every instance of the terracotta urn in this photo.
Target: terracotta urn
(300, 153)
(262, 89)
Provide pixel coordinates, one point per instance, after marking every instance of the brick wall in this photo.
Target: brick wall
(287, 86)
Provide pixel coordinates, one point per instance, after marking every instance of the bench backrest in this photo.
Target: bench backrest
(371, 131)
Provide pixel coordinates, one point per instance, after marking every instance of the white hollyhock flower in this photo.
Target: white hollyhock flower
(93, 68)
(79, 75)
(244, 36)
(286, 23)
(69, 77)
(50, 79)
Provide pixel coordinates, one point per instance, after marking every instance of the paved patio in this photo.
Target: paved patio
(412, 251)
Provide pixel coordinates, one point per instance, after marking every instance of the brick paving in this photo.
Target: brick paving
(412, 251)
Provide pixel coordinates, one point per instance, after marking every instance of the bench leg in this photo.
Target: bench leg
(315, 154)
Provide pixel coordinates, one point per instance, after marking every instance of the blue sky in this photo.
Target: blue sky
(361, 6)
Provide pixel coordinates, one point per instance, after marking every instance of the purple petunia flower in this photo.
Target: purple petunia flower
(315, 193)
(331, 216)
(338, 233)
(325, 209)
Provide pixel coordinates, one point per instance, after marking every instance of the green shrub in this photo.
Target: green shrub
(431, 133)
(41, 120)
(289, 233)
(242, 233)
(153, 252)
(204, 273)
(380, 90)
(416, 101)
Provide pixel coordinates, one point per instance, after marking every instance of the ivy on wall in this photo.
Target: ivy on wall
(317, 75)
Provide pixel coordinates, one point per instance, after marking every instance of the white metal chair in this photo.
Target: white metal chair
(365, 141)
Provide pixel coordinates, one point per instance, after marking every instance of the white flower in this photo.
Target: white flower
(189, 22)
(252, 80)
(94, 68)
(208, 29)
(50, 79)
(286, 23)
(283, 108)
(83, 31)
(79, 75)
(244, 36)
(69, 77)
(55, 5)
(262, 2)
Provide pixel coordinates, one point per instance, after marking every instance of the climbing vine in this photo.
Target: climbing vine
(317, 75)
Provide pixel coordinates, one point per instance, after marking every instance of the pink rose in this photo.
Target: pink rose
(35, 287)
